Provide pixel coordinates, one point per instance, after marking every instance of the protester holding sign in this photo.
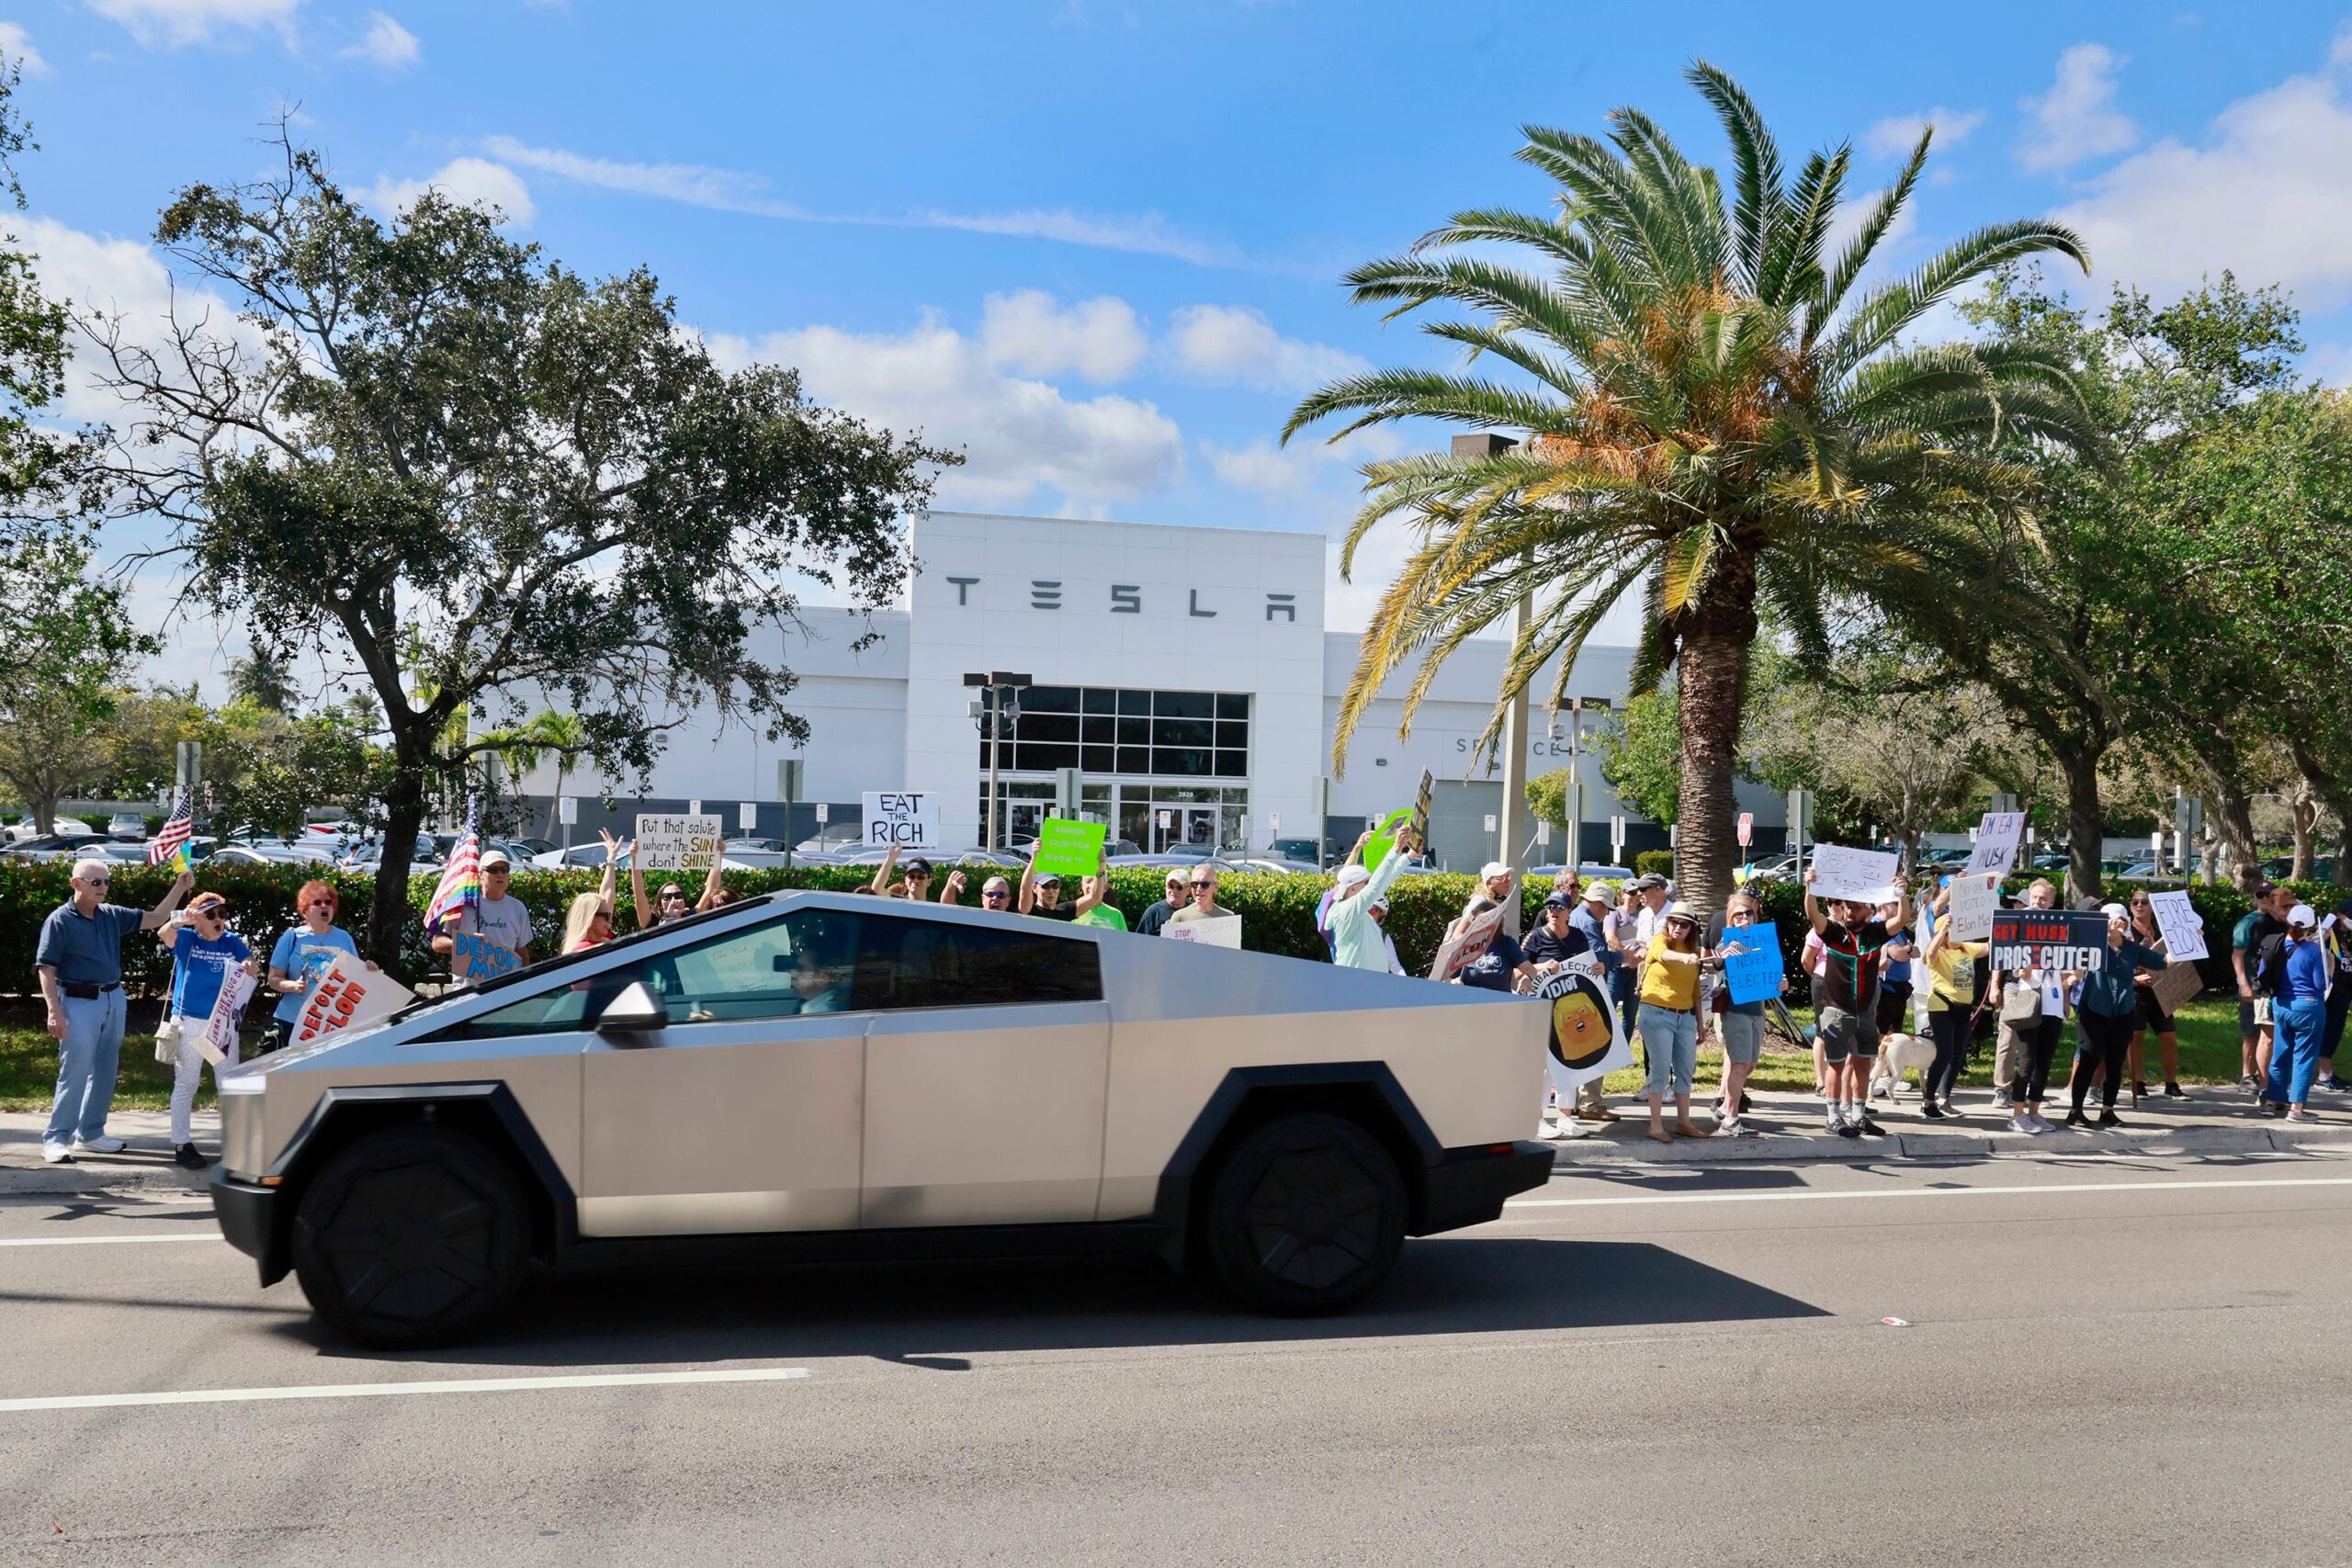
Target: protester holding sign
(303, 954)
(589, 921)
(671, 903)
(1951, 997)
(1854, 940)
(2150, 1014)
(1670, 1020)
(1357, 940)
(1743, 1021)
(1042, 895)
(1559, 938)
(1502, 965)
(2104, 1013)
(1204, 906)
(503, 919)
(2300, 1007)
(2035, 996)
(204, 950)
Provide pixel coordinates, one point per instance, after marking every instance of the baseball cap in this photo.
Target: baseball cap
(2266, 890)
(1648, 880)
(207, 902)
(1350, 875)
(1559, 901)
(2300, 915)
(1493, 869)
(1049, 880)
(497, 857)
(919, 864)
(1378, 906)
(2115, 911)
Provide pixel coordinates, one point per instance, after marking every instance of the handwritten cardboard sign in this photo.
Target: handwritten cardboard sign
(1753, 967)
(1459, 951)
(1996, 848)
(1975, 898)
(2183, 926)
(1864, 875)
(907, 817)
(1217, 931)
(2176, 985)
(348, 998)
(221, 1030)
(475, 957)
(672, 842)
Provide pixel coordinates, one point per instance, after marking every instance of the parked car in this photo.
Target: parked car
(763, 846)
(578, 855)
(526, 849)
(1295, 848)
(126, 825)
(831, 838)
(1587, 871)
(1274, 864)
(761, 1080)
(56, 846)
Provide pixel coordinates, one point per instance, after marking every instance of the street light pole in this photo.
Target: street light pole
(995, 686)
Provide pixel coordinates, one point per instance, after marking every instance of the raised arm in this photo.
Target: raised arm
(1820, 921)
(1096, 888)
(1392, 866)
(163, 911)
(637, 893)
(1028, 884)
(609, 883)
(711, 886)
(881, 882)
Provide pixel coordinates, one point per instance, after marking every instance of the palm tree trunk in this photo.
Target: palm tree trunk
(1710, 685)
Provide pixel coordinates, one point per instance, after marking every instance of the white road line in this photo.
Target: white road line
(108, 1240)
(1809, 1194)
(380, 1390)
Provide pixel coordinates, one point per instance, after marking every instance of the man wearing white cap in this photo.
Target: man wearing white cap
(2104, 1015)
(1347, 885)
(2298, 982)
(503, 919)
(1357, 940)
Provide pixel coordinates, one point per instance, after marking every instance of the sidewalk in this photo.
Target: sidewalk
(145, 1163)
(2216, 1120)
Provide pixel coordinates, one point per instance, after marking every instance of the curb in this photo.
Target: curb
(1785, 1148)
(59, 1180)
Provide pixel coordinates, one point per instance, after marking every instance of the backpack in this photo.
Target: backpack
(2270, 966)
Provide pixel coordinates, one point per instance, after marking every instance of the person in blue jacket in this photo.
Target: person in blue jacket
(2299, 977)
(2104, 1015)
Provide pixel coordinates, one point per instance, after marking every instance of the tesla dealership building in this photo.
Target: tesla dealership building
(1185, 674)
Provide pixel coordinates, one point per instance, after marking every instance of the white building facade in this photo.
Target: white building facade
(1185, 672)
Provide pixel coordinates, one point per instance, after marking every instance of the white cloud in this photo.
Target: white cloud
(118, 278)
(736, 190)
(17, 45)
(2264, 195)
(1099, 338)
(1284, 472)
(177, 22)
(1232, 343)
(386, 43)
(475, 180)
(2077, 117)
(1895, 136)
(1018, 436)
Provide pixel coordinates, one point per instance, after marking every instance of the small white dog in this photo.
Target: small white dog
(1897, 1053)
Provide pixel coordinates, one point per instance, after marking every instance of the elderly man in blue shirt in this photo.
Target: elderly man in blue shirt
(79, 963)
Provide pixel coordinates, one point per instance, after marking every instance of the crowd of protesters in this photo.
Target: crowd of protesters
(1871, 969)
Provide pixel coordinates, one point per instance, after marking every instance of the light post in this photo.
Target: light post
(998, 705)
(1576, 773)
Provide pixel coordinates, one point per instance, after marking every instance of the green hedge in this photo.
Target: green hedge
(1277, 908)
(1654, 862)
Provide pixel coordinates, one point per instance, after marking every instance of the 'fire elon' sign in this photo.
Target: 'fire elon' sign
(2060, 940)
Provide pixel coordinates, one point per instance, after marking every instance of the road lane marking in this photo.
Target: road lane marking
(108, 1240)
(383, 1390)
(1810, 1194)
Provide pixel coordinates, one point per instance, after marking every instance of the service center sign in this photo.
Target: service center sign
(2053, 940)
(907, 817)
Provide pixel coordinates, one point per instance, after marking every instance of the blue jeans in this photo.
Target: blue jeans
(1672, 1039)
(87, 1059)
(2294, 1053)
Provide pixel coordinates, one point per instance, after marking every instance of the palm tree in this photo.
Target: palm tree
(563, 735)
(1718, 415)
(264, 677)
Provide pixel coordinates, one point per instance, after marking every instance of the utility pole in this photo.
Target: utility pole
(999, 704)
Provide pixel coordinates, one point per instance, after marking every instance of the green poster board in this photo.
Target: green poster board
(1070, 849)
(1384, 837)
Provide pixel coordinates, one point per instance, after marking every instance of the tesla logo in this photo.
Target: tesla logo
(1126, 599)
(1044, 596)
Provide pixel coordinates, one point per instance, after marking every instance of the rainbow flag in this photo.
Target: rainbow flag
(461, 878)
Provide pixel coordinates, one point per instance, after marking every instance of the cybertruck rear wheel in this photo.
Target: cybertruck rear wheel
(1304, 1216)
(411, 1237)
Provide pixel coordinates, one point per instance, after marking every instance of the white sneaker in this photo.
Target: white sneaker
(56, 1154)
(101, 1145)
(2040, 1123)
(2021, 1122)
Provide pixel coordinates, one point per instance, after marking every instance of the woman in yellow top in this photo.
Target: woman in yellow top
(1669, 1019)
(1951, 1003)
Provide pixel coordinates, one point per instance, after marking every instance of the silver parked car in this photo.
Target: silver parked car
(762, 1080)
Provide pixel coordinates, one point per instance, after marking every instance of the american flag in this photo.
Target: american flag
(171, 842)
(461, 878)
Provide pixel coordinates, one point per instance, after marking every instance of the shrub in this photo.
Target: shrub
(1657, 863)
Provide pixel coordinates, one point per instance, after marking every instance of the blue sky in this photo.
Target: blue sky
(1097, 244)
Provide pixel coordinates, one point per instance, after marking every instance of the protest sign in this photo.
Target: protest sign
(1587, 1038)
(1461, 951)
(2183, 926)
(1384, 837)
(2061, 940)
(1997, 843)
(1753, 967)
(2176, 983)
(1068, 849)
(907, 817)
(228, 1014)
(1217, 931)
(669, 842)
(1422, 798)
(348, 998)
(474, 957)
(1864, 875)
(1975, 897)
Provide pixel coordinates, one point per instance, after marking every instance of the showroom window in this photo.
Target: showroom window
(1107, 732)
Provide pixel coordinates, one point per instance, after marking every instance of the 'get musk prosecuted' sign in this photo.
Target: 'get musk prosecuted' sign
(2059, 941)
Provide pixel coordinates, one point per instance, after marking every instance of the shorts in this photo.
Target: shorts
(1845, 1034)
(1743, 1035)
(2253, 1015)
(2151, 1014)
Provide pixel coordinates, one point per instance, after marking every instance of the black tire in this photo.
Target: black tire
(1306, 1215)
(411, 1237)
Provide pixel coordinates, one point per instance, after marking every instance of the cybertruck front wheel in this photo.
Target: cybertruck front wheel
(1306, 1216)
(411, 1237)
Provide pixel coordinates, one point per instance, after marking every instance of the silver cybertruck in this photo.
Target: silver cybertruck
(815, 1077)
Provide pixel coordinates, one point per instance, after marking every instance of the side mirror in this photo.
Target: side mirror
(635, 1010)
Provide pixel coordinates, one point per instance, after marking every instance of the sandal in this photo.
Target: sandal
(1660, 1134)
(1685, 1130)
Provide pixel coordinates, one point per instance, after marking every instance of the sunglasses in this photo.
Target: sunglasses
(97, 882)
(1203, 886)
(998, 896)
(668, 894)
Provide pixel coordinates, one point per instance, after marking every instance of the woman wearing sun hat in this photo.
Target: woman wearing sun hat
(203, 951)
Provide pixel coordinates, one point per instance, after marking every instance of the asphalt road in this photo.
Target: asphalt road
(2114, 1362)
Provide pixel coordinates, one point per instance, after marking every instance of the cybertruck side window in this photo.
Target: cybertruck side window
(905, 963)
(796, 965)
